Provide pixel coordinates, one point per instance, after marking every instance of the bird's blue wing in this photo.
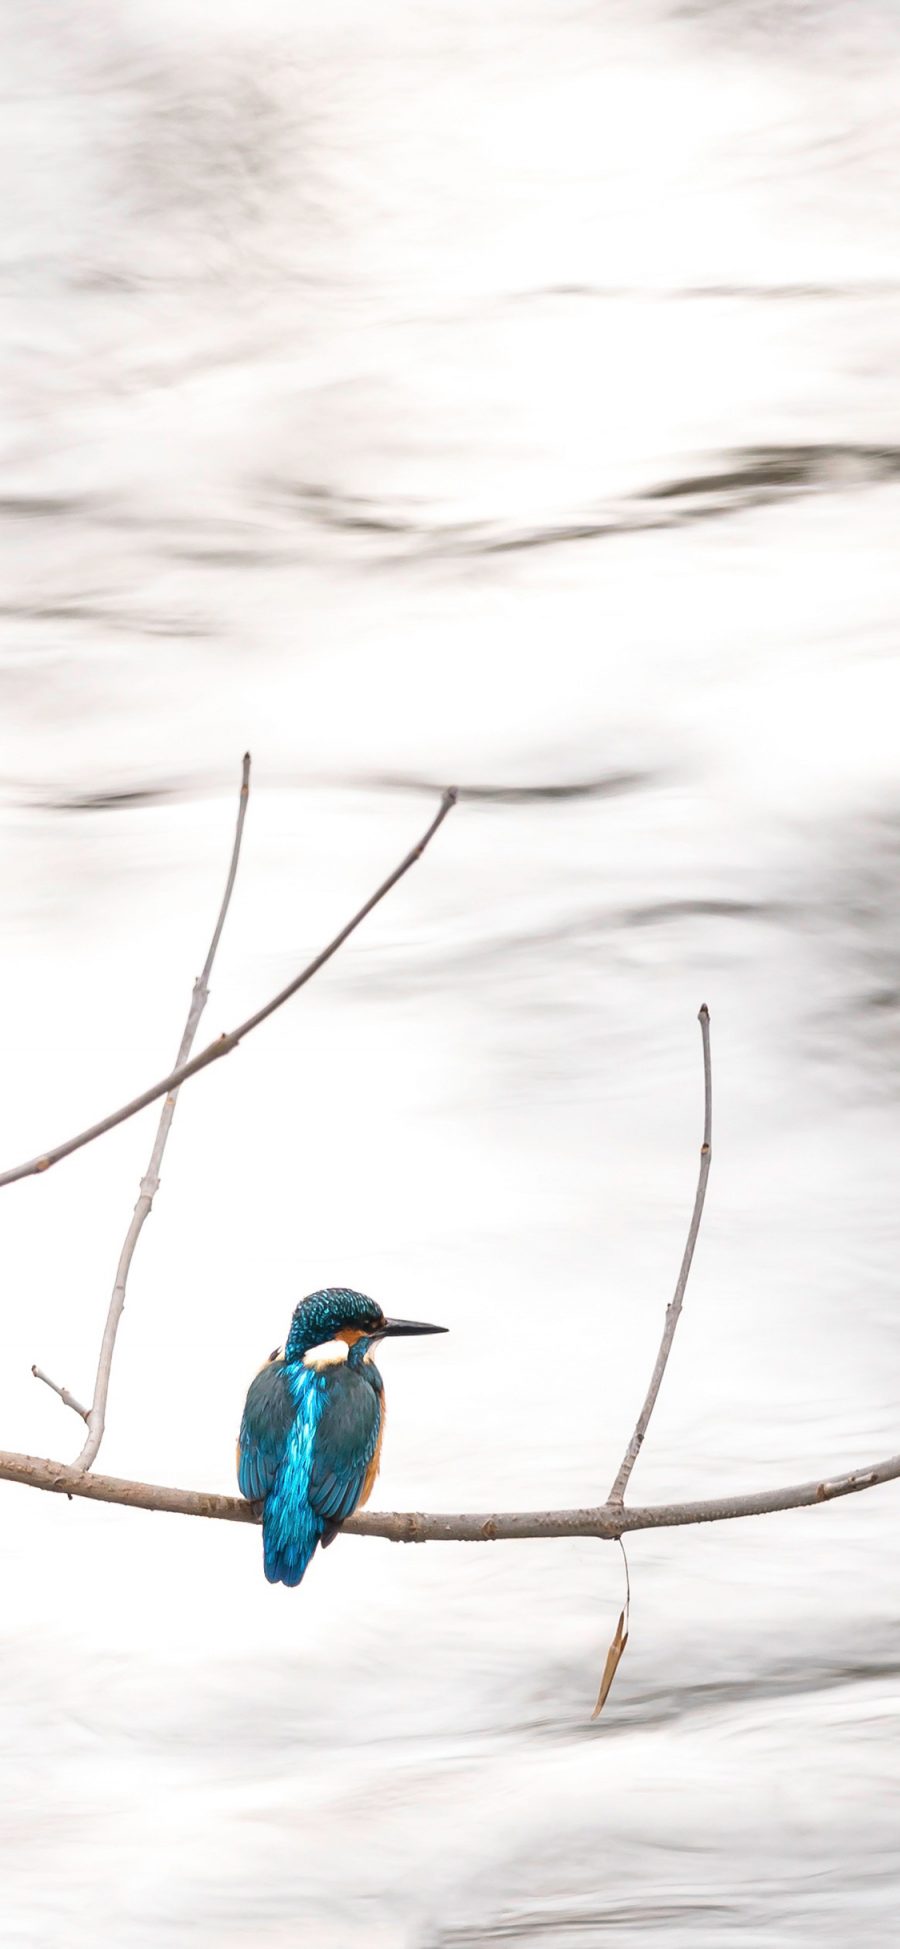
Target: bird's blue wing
(268, 1415)
(345, 1446)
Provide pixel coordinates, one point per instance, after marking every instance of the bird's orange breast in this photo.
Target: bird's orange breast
(375, 1464)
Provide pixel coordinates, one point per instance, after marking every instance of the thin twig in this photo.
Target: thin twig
(673, 1310)
(225, 1043)
(609, 1520)
(96, 1418)
(627, 1582)
(68, 1400)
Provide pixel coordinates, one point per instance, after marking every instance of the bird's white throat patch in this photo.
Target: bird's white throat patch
(330, 1354)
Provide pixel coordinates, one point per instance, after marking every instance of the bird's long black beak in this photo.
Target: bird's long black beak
(394, 1328)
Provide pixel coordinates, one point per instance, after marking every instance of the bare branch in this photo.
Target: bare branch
(225, 1043)
(68, 1400)
(609, 1520)
(96, 1418)
(673, 1310)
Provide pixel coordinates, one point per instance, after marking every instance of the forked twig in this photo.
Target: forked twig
(673, 1310)
(96, 1414)
(226, 1043)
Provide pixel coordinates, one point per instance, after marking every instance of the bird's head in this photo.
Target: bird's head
(337, 1316)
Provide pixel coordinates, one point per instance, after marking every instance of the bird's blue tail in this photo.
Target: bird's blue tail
(290, 1536)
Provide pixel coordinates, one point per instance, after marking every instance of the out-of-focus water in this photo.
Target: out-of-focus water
(505, 395)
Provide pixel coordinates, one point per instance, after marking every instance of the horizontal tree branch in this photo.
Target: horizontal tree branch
(225, 1043)
(609, 1520)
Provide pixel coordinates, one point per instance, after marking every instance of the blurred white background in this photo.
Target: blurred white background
(505, 396)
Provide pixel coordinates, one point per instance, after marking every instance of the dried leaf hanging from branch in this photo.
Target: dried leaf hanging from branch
(620, 1640)
(612, 1665)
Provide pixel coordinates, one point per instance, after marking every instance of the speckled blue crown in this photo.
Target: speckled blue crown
(320, 1316)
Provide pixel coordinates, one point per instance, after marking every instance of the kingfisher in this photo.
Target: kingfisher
(310, 1442)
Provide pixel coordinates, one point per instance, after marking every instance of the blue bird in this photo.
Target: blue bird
(310, 1440)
